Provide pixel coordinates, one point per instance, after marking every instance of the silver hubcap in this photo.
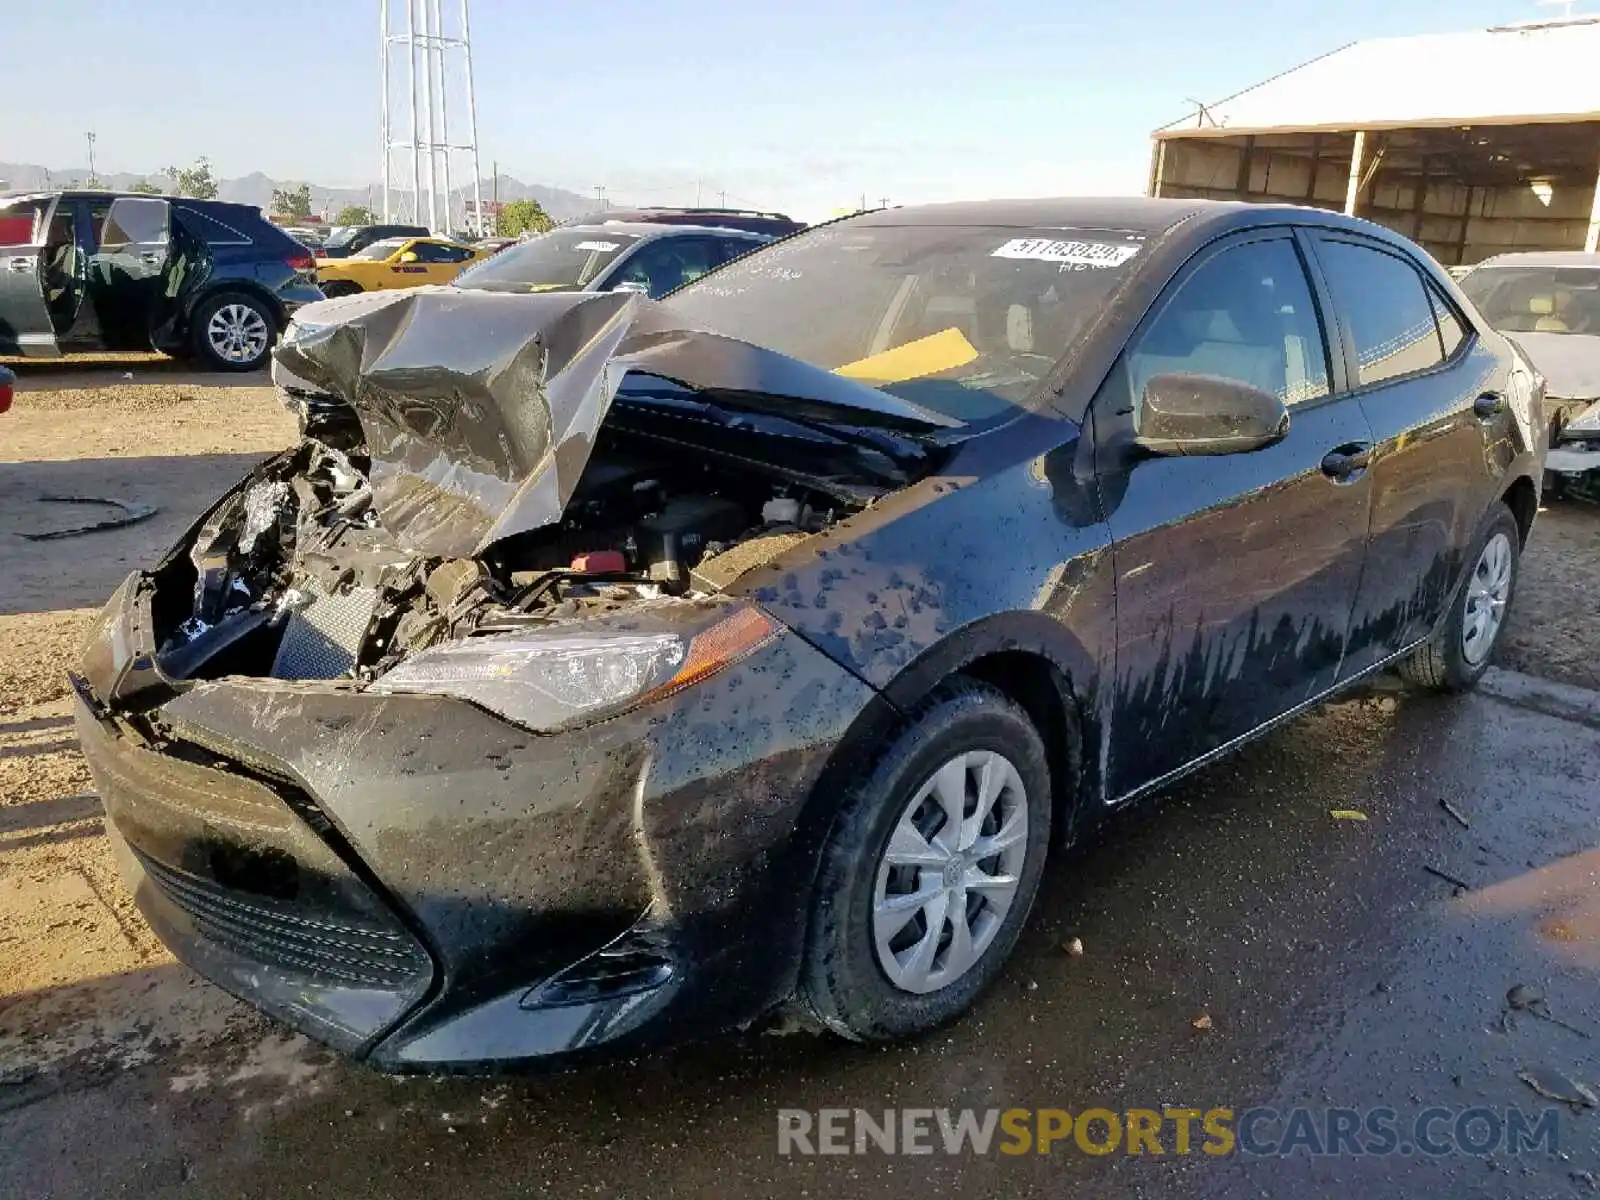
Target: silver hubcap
(237, 332)
(1487, 593)
(950, 871)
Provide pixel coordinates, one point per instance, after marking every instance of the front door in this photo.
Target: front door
(1420, 374)
(1235, 573)
(25, 326)
(126, 270)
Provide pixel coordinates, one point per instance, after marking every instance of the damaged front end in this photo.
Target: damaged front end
(415, 692)
(467, 471)
(1573, 461)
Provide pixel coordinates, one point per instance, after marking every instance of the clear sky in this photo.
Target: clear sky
(804, 107)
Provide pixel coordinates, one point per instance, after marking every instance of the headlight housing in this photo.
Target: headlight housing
(576, 676)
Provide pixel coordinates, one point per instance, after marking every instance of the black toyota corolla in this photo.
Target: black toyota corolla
(598, 672)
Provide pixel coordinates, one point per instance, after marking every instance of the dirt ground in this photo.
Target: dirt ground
(139, 431)
(82, 980)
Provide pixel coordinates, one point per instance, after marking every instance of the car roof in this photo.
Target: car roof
(1542, 258)
(1136, 214)
(658, 229)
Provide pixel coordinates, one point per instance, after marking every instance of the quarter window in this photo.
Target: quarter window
(1383, 303)
(1450, 332)
(1246, 314)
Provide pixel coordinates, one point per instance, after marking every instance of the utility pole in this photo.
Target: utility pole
(722, 199)
(883, 202)
(697, 192)
(494, 189)
(600, 196)
(90, 136)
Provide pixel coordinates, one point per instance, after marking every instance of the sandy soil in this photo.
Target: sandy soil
(77, 964)
(80, 974)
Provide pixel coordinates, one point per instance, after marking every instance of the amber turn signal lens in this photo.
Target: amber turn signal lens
(738, 635)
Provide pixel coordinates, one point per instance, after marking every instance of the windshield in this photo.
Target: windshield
(381, 250)
(1537, 299)
(964, 320)
(563, 259)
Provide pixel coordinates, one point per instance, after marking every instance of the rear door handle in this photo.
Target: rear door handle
(1346, 461)
(1488, 405)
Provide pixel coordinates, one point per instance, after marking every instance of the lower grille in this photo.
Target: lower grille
(272, 934)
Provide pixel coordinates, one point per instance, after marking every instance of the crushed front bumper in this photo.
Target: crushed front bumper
(426, 886)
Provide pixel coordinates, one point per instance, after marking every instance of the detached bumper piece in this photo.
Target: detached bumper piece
(233, 874)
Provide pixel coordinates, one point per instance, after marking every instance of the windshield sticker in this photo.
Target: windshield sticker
(1079, 254)
(603, 247)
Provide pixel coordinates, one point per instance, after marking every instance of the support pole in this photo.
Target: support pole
(416, 133)
(1316, 166)
(472, 110)
(1591, 239)
(428, 57)
(383, 44)
(444, 111)
(1241, 183)
(1353, 187)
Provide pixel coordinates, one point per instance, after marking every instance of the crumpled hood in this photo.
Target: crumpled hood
(1570, 362)
(480, 409)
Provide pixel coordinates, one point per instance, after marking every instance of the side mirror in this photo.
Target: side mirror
(1183, 413)
(410, 256)
(630, 285)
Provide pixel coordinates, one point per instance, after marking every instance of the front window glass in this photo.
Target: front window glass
(1537, 299)
(565, 259)
(1246, 314)
(965, 320)
(381, 250)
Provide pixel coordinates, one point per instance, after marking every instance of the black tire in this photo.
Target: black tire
(1441, 664)
(340, 287)
(843, 983)
(214, 356)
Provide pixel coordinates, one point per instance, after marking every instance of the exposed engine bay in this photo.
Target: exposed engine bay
(295, 577)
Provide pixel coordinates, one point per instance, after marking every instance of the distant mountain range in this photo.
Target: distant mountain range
(257, 189)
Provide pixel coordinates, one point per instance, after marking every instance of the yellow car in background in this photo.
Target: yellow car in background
(396, 263)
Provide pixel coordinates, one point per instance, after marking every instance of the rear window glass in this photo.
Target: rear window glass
(1382, 300)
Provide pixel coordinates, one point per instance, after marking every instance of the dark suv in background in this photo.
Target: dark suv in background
(351, 239)
(104, 271)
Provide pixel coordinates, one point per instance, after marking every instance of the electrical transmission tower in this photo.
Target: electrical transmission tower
(427, 68)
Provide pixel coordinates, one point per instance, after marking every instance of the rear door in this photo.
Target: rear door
(1235, 573)
(127, 269)
(25, 326)
(1435, 396)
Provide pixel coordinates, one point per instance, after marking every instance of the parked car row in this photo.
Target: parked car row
(598, 672)
(102, 271)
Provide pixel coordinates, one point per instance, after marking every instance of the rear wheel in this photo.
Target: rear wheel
(232, 332)
(1459, 652)
(931, 869)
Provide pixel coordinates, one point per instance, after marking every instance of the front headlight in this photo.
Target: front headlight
(551, 681)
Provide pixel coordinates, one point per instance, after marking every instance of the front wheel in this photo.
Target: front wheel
(1458, 654)
(931, 869)
(232, 332)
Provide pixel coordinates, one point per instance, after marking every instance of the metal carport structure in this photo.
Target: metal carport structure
(1470, 143)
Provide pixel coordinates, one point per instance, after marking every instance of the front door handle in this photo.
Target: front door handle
(1346, 461)
(20, 265)
(1488, 406)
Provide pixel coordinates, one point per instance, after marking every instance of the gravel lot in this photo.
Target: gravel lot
(85, 990)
